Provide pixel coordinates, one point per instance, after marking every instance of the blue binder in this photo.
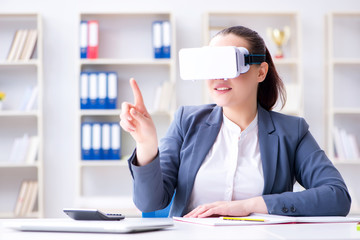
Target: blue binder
(84, 90)
(93, 90)
(112, 92)
(105, 141)
(115, 152)
(157, 38)
(166, 39)
(83, 39)
(96, 141)
(86, 141)
(102, 90)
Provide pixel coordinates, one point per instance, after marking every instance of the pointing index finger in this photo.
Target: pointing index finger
(139, 102)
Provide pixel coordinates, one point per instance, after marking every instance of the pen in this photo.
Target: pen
(243, 219)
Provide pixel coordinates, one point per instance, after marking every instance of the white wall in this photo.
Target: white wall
(60, 20)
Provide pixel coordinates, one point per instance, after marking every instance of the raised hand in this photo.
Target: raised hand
(136, 120)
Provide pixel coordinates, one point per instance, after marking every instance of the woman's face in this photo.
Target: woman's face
(239, 91)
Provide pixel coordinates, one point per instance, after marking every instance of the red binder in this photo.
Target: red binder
(93, 39)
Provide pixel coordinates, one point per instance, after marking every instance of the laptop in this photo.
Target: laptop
(128, 225)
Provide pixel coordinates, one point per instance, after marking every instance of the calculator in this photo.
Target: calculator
(92, 214)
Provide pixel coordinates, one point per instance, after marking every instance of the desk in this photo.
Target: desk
(183, 231)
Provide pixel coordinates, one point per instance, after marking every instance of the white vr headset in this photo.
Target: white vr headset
(216, 62)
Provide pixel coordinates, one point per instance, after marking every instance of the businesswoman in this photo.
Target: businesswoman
(234, 157)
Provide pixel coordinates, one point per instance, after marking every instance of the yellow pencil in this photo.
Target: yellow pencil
(243, 219)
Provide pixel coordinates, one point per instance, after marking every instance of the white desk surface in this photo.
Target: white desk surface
(194, 231)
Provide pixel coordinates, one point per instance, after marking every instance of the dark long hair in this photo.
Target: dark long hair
(272, 88)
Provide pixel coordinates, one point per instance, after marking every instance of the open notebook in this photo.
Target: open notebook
(127, 225)
(259, 219)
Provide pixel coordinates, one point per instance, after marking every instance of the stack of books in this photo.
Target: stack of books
(346, 145)
(23, 45)
(26, 200)
(24, 150)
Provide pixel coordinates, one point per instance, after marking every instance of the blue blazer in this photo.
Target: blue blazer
(288, 151)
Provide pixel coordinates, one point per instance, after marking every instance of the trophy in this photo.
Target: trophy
(279, 37)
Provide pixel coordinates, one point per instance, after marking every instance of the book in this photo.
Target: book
(32, 197)
(164, 96)
(14, 45)
(30, 105)
(30, 45)
(32, 150)
(19, 149)
(19, 49)
(263, 219)
(21, 198)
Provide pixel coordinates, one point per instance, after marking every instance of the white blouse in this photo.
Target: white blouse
(232, 170)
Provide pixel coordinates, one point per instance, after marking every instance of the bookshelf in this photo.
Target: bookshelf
(342, 98)
(16, 77)
(125, 47)
(289, 67)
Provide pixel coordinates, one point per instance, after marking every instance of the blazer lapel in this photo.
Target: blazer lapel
(206, 136)
(269, 148)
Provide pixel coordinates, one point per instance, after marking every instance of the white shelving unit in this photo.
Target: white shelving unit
(342, 98)
(125, 46)
(15, 78)
(289, 67)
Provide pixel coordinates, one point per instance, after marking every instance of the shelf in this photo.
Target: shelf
(17, 77)
(31, 62)
(105, 61)
(100, 112)
(346, 110)
(105, 163)
(341, 61)
(14, 113)
(119, 35)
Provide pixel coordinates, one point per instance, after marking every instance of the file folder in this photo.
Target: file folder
(115, 141)
(112, 90)
(93, 40)
(86, 141)
(93, 90)
(157, 38)
(105, 141)
(166, 39)
(102, 90)
(83, 39)
(84, 90)
(95, 141)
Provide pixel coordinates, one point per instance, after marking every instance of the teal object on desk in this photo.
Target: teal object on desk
(163, 213)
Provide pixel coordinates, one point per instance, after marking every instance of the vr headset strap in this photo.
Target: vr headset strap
(254, 58)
